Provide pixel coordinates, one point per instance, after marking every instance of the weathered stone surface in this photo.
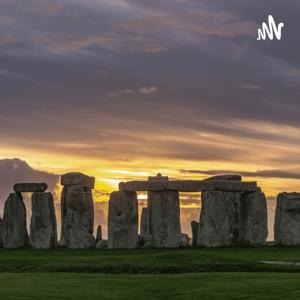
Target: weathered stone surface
(145, 241)
(145, 221)
(77, 214)
(14, 234)
(254, 219)
(1, 233)
(220, 219)
(102, 244)
(70, 179)
(189, 186)
(133, 186)
(43, 233)
(123, 220)
(287, 219)
(158, 178)
(30, 187)
(195, 227)
(232, 177)
(184, 240)
(99, 234)
(164, 219)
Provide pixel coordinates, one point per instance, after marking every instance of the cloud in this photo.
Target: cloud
(148, 89)
(16, 171)
(252, 87)
(141, 90)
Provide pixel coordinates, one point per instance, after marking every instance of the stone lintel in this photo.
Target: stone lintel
(30, 187)
(189, 186)
(78, 179)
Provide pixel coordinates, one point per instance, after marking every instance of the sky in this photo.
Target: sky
(122, 89)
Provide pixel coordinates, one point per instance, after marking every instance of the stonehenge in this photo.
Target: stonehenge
(77, 211)
(99, 234)
(43, 221)
(30, 187)
(233, 213)
(14, 230)
(190, 186)
(287, 219)
(219, 219)
(195, 227)
(123, 220)
(145, 221)
(254, 219)
(164, 219)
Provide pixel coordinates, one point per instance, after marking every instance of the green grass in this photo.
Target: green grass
(223, 273)
(176, 286)
(188, 260)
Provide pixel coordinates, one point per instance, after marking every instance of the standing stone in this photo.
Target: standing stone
(1, 233)
(43, 221)
(101, 244)
(14, 233)
(195, 227)
(287, 219)
(145, 221)
(77, 218)
(123, 220)
(220, 219)
(164, 219)
(254, 219)
(99, 234)
(185, 240)
(77, 211)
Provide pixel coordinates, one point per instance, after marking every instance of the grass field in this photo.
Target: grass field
(74, 286)
(185, 260)
(223, 273)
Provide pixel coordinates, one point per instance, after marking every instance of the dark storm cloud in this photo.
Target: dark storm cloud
(71, 73)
